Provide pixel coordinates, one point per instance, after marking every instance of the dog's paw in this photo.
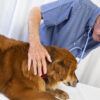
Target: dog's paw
(60, 94)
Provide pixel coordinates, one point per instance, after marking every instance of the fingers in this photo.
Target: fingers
(37, 59)
(29, 63)
(39, 67)
(35, 66)
(32, 62)
(44, 64)
(48, 57)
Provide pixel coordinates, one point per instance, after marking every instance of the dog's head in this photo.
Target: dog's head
(63, 66)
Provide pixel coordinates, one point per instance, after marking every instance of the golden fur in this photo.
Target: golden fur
(17, 83)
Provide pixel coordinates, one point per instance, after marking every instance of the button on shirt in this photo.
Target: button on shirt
(66, 24)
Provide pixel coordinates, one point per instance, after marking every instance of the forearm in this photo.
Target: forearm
(34, 24)
(37, 53)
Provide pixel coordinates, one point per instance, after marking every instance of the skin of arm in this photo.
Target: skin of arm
(34, 24)
(37, 54)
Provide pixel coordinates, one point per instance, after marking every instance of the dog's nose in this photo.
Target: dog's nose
(77, 81)
(69, 84)
(74, 83)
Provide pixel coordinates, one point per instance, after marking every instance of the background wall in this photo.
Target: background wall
(13, 23)
(14, 17)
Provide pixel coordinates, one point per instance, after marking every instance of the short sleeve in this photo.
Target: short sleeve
(56, 12)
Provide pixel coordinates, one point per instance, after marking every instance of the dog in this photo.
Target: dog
(17, 83)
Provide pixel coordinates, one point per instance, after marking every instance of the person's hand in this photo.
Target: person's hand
(37, 56)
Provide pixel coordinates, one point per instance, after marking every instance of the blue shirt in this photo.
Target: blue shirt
(68, 24)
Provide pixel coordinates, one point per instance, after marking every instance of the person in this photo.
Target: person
(70, 24)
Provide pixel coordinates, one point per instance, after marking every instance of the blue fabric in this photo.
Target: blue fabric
(67, 23)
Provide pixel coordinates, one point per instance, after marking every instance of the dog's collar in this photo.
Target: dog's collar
(45, 77)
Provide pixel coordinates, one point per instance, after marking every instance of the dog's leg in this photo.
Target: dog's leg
(17, 90)
(59, 94)
(33, 95)
(35, 79)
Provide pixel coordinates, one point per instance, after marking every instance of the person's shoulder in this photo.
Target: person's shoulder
(67, 1)
(88, 4)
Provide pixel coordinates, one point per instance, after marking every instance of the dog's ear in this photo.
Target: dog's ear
(24, 69)
(52, 52)
(50, 49)
(25, 72)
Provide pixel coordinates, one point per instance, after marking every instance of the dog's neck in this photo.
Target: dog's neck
(45, 77)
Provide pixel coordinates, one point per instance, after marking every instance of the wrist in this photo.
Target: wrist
(34, 38)
(34, 42)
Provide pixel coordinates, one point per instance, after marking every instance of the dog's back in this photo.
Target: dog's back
(12, 54)
(13, 83)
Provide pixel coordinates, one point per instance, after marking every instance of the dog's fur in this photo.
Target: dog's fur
(17, 83)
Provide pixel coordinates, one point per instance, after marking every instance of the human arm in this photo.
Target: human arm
(37, 54)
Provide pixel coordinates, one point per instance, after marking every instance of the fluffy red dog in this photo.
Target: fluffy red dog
(17, 83)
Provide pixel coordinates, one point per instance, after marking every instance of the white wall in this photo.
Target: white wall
(97, 2)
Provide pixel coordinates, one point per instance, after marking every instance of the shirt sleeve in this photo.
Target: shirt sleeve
(56, 12)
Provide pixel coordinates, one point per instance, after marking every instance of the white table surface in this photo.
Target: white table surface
(81, 92)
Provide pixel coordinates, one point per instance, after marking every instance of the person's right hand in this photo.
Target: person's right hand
(37, 56)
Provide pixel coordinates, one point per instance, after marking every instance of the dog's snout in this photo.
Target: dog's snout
(69, 84)
(77, 81)
(74, 83)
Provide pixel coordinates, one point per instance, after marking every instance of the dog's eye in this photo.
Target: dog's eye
(72, 72)
(61, 63)
(64, 63)
(61, 79)
(68, 63)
